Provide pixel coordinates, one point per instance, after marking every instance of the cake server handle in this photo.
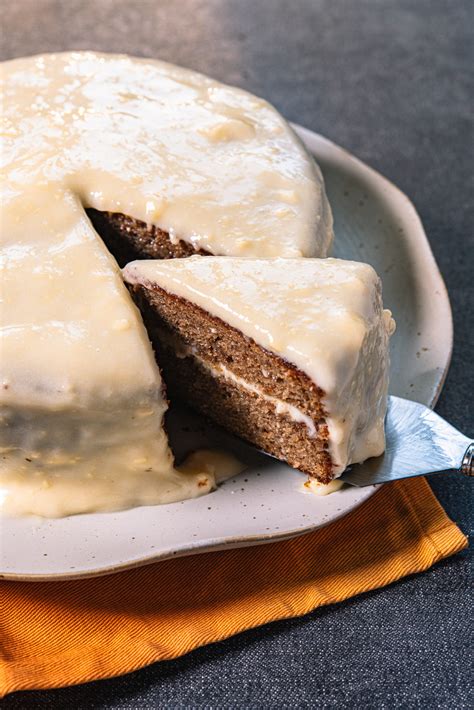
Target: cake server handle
(418, 443)
(467, 466)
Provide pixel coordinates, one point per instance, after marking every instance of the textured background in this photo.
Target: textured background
(389, 80)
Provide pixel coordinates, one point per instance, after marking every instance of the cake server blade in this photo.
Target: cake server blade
(418, 443)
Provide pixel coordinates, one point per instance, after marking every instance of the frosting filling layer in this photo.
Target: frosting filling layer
(281, 407)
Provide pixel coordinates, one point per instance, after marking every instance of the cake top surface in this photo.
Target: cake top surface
(314, 313)
(208, 163)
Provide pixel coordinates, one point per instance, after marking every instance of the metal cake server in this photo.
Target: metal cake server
(418, 443)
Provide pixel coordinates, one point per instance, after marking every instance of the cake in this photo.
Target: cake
(290, 354)
(166, 163)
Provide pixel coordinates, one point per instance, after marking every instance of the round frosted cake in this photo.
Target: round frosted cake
(106, 159)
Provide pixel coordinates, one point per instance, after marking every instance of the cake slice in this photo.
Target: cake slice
(289, 354)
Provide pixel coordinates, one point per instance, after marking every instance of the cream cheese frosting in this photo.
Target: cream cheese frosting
(323, 315)
(208, 163)
(81, 396)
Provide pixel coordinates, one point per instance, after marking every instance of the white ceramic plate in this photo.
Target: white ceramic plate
(374, 222)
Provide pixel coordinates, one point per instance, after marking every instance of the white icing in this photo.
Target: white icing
(117, 478)
(322, 489)
(81, 397)
(325, 316)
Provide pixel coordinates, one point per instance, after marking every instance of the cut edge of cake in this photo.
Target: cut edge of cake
(129, 239)
(227, 373)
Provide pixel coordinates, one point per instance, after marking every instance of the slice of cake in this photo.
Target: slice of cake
(289, 354)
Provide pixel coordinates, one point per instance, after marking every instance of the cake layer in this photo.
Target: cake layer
(309, 333)
(129, 239)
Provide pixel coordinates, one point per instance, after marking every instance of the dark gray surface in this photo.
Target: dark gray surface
(387, 79)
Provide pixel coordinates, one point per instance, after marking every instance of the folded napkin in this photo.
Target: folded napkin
(54, 634)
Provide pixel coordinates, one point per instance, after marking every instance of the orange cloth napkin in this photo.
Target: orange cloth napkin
(54, 634)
